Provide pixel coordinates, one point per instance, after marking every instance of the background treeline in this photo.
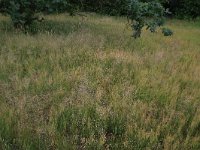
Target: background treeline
(178, 8)
(182, 8)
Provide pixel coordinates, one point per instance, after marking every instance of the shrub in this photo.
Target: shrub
(167, 32)
(142, 14)
(22, 12)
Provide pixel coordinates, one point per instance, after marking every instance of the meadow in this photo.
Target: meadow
(85, 83)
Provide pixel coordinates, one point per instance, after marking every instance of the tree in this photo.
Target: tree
(146, 14)
(22, 12)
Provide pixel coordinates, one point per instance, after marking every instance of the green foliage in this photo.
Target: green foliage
(3, 5)
(185, 9)
(149, 15)
(58, 6)
(167, 32)
(141, 14)
(22, 12)
(188, 9)
(109, 7)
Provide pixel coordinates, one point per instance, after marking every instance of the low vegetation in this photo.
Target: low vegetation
(85, 83)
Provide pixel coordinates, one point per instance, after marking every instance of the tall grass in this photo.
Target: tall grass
(85, 83)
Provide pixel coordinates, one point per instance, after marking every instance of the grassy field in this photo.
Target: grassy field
(85, 83)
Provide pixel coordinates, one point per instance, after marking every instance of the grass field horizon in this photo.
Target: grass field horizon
(85, 83)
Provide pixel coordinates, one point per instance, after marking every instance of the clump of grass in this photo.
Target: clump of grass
(85, 128)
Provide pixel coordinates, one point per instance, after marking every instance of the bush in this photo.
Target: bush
(22, 12)
(167, 32)
(142, 14)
